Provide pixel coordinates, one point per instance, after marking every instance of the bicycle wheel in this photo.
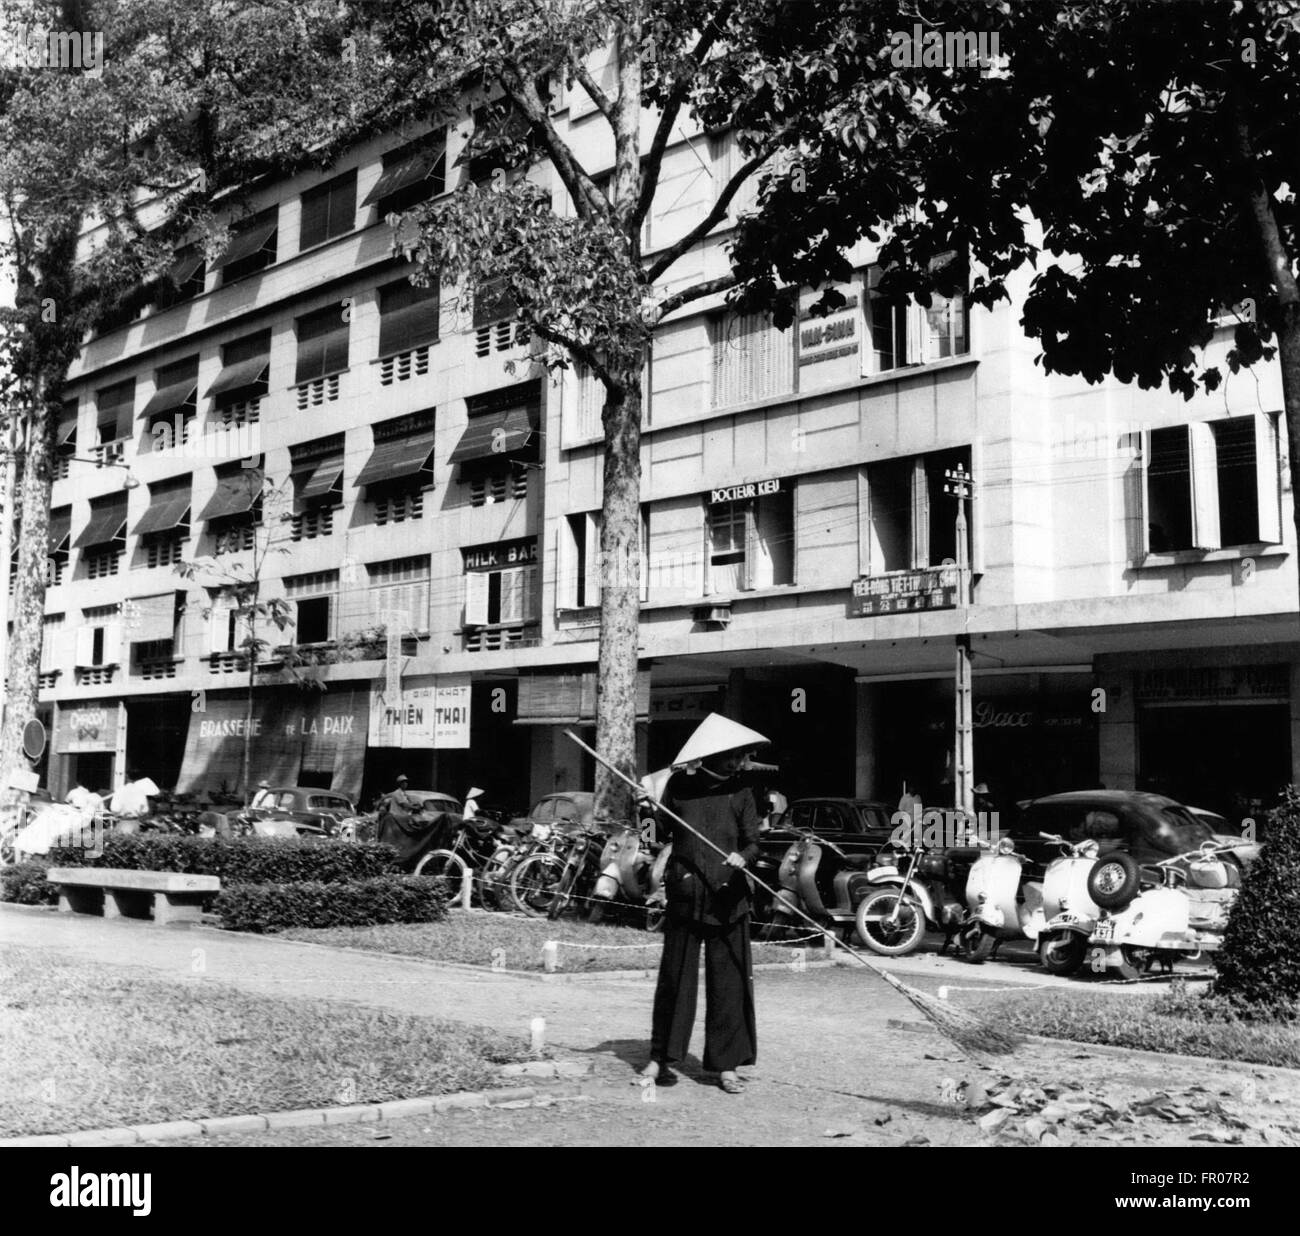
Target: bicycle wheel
(445, 867)
(535, 883)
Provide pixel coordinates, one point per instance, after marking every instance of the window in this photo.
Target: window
(328, 211)
(751, 540)
(400, 469)
(412, 174)
(322, 344)
(498, 483)
(903, 333)
(103, 539)
(581, 585)
(186, 279)
(52, 630)
(172, 407)
(1213, 484)
(227, 626)
(494, 327)
(912, 521)
(235, 509)
(65, 443)
(59, 538)
(752, 360)
(314, 598)
(408, 317)
(502, 139)
(114, 417)
(317, 475)
(252, 248)
(99, 638)
(165, 527)
(242, 382)
(400, 588)
(501, 584)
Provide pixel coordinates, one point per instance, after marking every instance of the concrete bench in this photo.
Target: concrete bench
(116, 892)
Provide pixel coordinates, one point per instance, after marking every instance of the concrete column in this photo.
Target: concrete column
(1295, 723)
(867, 700)
(1117, 731)
(119, 755)
(541, 751)
(735, 697)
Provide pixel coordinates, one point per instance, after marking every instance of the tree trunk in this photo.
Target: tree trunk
(620, 569)
(27, 610)
(251, 638)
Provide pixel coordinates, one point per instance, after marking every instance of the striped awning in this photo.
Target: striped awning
(246, 243)
(493, 437)
(166, 511)
(107, 523)
(176, 395)
(242, 375)
(404, 173)
(390, 461)
(235, 495)
(60, 529)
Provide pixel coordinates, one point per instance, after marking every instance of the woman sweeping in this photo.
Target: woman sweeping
(708, 904)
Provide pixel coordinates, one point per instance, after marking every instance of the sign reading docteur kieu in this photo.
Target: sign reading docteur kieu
(905, 592)
(739, 493)
(85, 727)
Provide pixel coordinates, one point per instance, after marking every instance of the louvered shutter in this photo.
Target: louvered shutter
(528, 586)
(1205, 486)
(476, 598)
(591, 577)
(512, 595)
(915, 350)
(920, 515)
(85, 647)
(1266, 479)
(112, 644)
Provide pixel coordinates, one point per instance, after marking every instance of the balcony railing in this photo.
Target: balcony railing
(498, 636)
(319, 390)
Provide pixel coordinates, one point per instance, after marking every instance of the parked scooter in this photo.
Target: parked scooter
(1069, 910)
(907, 897)
(1184, 916)
(820, 879)
(1001, 903)
(631, 872)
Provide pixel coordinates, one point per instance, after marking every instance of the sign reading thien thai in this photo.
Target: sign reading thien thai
(904, 592)
(434, 716)
(738, 493)
(451, 712)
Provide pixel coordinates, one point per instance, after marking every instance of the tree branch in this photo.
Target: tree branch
(672, 109)
(707, 288)
(581, 351)
(602, 101)
(712, 219)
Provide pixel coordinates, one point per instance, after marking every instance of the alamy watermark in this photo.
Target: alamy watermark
(935, 49)
(34, 47)
(950, 829)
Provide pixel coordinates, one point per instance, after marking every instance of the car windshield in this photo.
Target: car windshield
(1178, 831)
(874, 819)
(327, 802)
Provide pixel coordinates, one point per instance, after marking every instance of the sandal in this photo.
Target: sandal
(730, 1083)
(655, 1072)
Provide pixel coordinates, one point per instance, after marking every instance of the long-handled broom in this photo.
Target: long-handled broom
(964, 1029)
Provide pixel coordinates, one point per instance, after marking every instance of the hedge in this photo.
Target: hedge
(240, 860)
(350, 903)
(26, 884)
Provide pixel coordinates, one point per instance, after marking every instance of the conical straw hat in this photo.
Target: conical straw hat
(715, 735)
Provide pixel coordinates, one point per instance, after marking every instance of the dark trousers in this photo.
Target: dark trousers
(729, 1033)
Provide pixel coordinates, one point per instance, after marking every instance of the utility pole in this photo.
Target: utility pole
(958, 483)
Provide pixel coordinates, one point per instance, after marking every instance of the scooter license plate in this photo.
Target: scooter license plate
(1105, 932)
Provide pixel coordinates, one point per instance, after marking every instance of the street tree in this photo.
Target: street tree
(817, 108)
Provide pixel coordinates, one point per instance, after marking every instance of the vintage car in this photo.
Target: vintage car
(1150, 827)
(563, 808)
(310, 810)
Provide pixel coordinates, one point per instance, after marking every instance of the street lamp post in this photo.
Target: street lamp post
(958, 484)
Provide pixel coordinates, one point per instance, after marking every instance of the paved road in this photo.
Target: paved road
(832, 1055)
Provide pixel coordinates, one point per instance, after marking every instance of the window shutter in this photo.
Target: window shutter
(751, 570)
(1267, 488)
(920, 515)
(591, 577)
(1205, 486)
(528, 585)
(85, 651)
(113, 644)
(476, 598)
(512, 595)
(643, 564)
(915, 344)
(1142, 463)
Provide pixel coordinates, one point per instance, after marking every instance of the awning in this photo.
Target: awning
(316, 482)
(495, 436)
(555, 699)
(402, 174)
(60, 529)
(406, 328)
(67, 431)
(390, 461)
(246, 244)
(107, 523)
(150, 618)
(166, 511)
(235, 495)
(242, 375)
(176, 395)
(185, 268)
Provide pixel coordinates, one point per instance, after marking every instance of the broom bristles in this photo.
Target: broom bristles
(969, 1032)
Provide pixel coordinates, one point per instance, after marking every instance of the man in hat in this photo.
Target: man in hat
(708, 905)
(263, 799)
(399, 801)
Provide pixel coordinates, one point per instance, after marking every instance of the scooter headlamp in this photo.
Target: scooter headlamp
(1006, 846)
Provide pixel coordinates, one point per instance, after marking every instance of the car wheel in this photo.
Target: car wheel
(1114, 881)
(1062, 952)
(890, 923)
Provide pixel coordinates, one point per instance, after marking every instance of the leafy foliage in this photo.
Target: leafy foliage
(1259, 966)
(240, 860)
(25, 883)
(350, 903)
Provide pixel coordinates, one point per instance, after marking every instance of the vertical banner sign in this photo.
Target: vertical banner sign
(393, 670)
(451, 711)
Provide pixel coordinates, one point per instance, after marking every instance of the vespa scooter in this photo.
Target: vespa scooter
(820, 879)
(1001, 903)
(910, 892)
(1070, 913)
(1184, 916)
(631, 872)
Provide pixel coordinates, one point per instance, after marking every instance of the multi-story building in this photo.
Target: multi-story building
(1133, 555)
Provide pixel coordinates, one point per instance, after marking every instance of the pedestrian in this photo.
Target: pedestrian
(263, 799)
(399, 802)
(471, 806)
(131, 802)
(708, 905)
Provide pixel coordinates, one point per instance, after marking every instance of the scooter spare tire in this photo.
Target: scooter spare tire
(1114, 880)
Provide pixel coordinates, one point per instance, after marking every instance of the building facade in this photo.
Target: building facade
(425, 499)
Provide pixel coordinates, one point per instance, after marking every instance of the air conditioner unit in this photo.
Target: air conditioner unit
(721, 614)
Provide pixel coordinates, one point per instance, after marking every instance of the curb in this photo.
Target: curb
(1115, 1049)
(539, 1095)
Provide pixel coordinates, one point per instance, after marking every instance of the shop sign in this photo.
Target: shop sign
(1214, 682)
(692, 706)
(451, 712)
(89, 727)
(902, 592)
(739, 493)
(434, 716)
(825, 338)
(503, 554)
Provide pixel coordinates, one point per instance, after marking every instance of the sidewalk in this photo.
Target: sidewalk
(838, 1049)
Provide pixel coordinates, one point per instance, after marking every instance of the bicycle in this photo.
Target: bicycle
(546, 882)
(474, 849)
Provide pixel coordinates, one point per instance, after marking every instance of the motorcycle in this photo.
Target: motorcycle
(1001, 903)
(821, 880)
(907, 898)
(1185, 915)
(632, 867)
(1069, 910)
